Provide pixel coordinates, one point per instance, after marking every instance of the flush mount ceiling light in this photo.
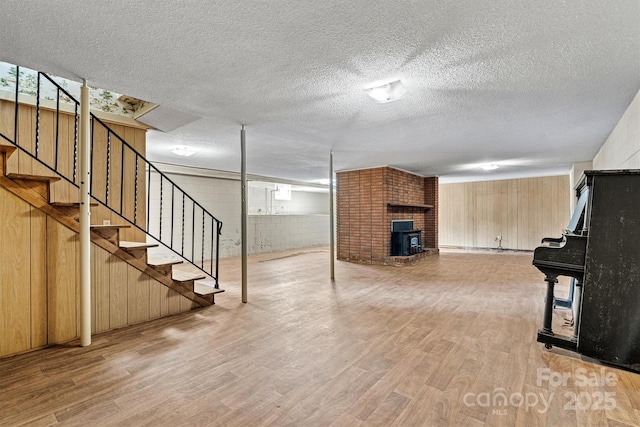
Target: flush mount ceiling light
(183, 150)
(387, 92)
(490, 167)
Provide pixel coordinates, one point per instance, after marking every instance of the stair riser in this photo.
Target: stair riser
(139, 254)
(41, 188)
(110, 235)
(163, 269)
(188, 284)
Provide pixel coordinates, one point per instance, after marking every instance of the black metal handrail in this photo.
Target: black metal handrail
(173, 226)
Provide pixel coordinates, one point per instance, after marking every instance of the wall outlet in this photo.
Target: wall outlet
(106, 222)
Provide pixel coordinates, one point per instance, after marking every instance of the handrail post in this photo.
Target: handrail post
(85, 219)
(243, 189)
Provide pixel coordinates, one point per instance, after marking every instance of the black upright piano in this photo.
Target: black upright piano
(602, 254)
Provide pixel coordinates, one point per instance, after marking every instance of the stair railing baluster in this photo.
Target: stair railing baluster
(121, 178)
(160, 207)
(38, 115)
(218, 251)
(15, 116)
(211, 259)
(75, 146)
(108, 174)
(172, 211)
(92, 148)
(135, 194)
(182, 247)
(193, 230)
(202, 248)
(147, 226)
(55, 162)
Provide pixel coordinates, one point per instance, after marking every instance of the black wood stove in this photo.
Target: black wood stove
(405, 240)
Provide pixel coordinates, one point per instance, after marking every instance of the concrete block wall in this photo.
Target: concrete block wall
(274, 233)
(221, 197)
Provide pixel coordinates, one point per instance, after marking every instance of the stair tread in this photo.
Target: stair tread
(7, 149)
(28, 177)
(70, 204)
(163, 261)
(110, 227)
(202, 287)
(136, 245)
(182, 276)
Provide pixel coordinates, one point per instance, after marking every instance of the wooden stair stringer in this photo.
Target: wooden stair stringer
(60, 214)
(35, 199)
(71, 208)
(38, 183)
(147, 269)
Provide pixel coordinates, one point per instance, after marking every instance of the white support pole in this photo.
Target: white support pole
(332, 225)
(243, 227)
(85, 218)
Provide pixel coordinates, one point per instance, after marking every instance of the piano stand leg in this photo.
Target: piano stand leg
(548, 306)
(577, 300)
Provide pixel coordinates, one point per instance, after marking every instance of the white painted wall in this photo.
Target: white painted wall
(299, 223)
(622, 148)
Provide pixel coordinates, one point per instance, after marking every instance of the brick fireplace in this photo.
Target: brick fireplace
(368, 200)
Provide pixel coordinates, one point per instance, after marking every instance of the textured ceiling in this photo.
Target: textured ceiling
(530, 86)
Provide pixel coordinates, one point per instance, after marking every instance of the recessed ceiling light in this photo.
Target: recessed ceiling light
(387, 92)
(490, 167)
(183, 150)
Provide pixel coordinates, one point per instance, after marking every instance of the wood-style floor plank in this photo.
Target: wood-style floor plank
(432, 344)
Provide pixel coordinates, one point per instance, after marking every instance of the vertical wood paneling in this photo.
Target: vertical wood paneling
(471, 212)
(155, 295)
(119, 296)
(26, 139)
(61, 281)
(101, 278)
(522, 211)
(138, 290)
(511, 235)
(185, 304)
(38, 279)
(15, 275)
(173, 302)
(7, 113)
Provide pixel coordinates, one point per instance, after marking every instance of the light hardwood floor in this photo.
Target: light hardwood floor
(429, 344)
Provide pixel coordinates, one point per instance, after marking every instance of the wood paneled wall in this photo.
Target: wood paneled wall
(522, 211)
(39, 283)
(64, 191)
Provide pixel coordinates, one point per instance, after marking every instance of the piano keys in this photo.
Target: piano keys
(602, 254)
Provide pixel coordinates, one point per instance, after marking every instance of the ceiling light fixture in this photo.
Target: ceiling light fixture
(183, 150)
(387, 92)
(490, 167)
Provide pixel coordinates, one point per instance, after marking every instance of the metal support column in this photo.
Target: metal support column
(332, 225)
(243, 232)
(85, 218)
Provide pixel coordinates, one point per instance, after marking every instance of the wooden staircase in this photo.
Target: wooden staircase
(35, 190)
